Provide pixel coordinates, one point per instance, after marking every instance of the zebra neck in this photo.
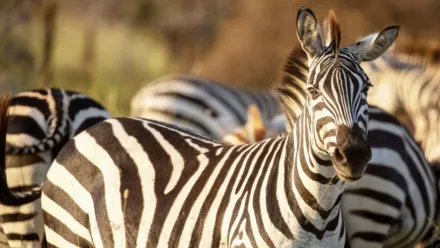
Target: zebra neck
(313, 141)
(315, 187)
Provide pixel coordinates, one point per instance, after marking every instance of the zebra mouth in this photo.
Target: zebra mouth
(345, 177)
(349, 169)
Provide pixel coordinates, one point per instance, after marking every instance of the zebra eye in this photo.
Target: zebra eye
(313, 92)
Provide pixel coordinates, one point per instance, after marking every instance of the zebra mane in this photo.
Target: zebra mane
(292, 91)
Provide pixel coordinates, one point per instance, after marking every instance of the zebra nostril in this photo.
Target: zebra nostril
(339, 157)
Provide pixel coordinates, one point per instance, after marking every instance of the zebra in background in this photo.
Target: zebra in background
(151, 184)
(204, 106)
(407, 53)
(413, 50)
(40, 123)
(411, 90)
(384, 207)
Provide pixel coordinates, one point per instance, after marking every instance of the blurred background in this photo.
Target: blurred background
(108, 49)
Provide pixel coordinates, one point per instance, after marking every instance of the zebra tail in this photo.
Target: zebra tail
(44, 145)
(49, 142)
(7, 197)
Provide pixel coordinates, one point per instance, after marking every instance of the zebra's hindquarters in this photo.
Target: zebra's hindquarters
(39, 120)
(23, 224)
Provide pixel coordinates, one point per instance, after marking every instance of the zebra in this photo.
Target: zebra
(152, 184)
(41, 121)
(380, 208)
(204, 106)
(378, 119)
(414, 91)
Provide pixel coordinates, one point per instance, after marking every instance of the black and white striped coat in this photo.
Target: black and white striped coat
(131, 182)
(412, 88)
(40, 123)
(397, 177)
(201, 105)
(408, 86)
(396, 201)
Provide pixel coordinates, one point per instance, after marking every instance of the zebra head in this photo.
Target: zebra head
(337, 91)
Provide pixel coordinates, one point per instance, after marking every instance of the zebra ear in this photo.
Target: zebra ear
(374, 45)
(307, 30)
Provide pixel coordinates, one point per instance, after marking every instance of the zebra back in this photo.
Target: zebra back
(203, 106)
(423, 49)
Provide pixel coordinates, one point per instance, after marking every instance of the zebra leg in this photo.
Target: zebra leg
(23, 225)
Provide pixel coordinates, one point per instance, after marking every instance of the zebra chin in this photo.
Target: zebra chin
(352, 153)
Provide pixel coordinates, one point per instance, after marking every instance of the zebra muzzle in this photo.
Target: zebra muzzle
(352, 153)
